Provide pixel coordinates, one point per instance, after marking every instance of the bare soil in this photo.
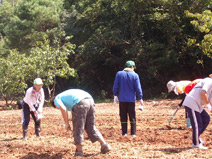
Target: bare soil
(154, 139)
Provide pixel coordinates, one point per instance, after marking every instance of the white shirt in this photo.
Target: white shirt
(32, 99)
(193, 100)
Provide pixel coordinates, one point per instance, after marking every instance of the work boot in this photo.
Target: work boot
(78, 154)
(24, 134)
(37, 132)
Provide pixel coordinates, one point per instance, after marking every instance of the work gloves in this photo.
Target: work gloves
(209, 107)
(140, 107)
(116, 100)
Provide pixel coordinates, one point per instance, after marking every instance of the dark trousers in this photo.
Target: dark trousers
(125, 109)
(26, 117)
(199, 122)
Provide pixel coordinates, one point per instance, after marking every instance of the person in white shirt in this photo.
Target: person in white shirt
(179, 89)
(33, 104)
(200, 95)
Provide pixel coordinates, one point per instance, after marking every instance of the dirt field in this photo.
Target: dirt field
(153, 139)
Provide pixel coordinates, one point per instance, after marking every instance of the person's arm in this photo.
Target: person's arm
(181, 103)
(204, 97)
(64, 112)
(40, 108)
(139, 89)
(115, 90)
(65, 118)
(28, 100)
(116, 85)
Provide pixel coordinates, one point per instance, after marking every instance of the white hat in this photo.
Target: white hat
(171, 85)
(38, 81)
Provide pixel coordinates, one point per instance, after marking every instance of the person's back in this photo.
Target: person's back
(177, 87)
(204, 84)
(71, 97)
(129, 83)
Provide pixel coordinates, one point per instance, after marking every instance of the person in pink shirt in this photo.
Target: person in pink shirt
(33, 104)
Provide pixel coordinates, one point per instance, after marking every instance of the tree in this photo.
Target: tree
(50, 61)
(45, 61)
(203, 24)
(152, 33)
(13, 80)
(31, 20)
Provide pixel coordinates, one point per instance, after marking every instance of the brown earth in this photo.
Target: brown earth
(154, 139)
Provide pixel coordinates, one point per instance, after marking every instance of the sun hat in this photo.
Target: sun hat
(130, 63)
(38, 81)
(171, 85)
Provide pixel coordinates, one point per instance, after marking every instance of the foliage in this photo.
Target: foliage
(152, 33)
(7, 10)
(203, 24)
(45, 61)
(31, 20)
(12, 81)
(50, 61)
(157, 35)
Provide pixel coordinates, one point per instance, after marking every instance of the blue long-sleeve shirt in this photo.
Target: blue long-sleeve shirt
(126, 85)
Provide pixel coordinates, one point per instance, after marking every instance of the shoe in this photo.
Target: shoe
(124, 135)
(24, 134)
(200, 139)
(133, 135)
(37, 132)
(78, 153)
(200, 146)
(105, 148)
(24, 138)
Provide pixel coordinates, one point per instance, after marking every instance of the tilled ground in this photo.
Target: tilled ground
(154, 139)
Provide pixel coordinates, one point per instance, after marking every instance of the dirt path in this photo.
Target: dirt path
(153, 139)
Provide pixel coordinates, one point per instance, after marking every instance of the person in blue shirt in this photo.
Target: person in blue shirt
(126, 86)
(82, 106)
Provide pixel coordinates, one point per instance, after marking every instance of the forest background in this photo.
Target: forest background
(83, 43)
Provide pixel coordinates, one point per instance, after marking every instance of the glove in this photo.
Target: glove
(209, 107)
(39, 116)
(116, 100)
(68, 127)
(140, 107)
(141, 102)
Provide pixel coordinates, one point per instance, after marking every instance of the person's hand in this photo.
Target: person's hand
(116, 100)
(36, 113)
(140, 107)
(39, 116)
(209, 107)
(68, 127)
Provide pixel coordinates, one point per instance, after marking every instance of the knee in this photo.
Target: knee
(37, 123)
(26, 122)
